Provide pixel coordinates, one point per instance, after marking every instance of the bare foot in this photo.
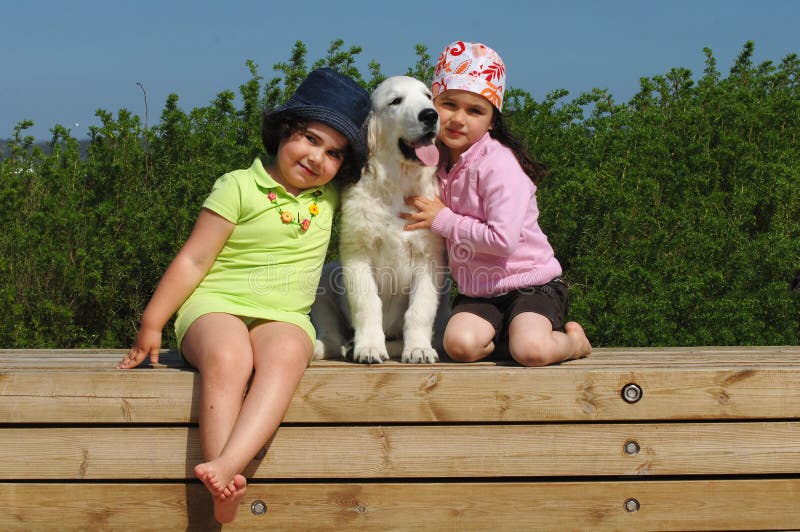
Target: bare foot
(575, 331)
(225, 510)
(214, 479)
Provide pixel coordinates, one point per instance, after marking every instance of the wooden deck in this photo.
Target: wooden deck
(634, 439)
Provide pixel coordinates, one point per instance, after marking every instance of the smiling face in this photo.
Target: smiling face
(465, 118)
(308, 158)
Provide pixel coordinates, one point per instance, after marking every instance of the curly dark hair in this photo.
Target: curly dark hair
(276, 130)
(535, 170)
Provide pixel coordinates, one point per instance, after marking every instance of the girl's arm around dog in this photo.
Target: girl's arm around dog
(427, 209)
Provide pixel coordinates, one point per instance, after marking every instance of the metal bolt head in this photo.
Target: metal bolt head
(258, 507)
(631, 505)
(631, 447)
(631, 393)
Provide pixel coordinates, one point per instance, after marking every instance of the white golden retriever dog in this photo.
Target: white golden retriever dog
(394, 280)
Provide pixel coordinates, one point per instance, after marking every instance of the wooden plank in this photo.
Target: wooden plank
(651, 357)
(75, 359)
(663, 505)
(82, 507)
(414, 451)
(56, 352)
(393, 393)
(69, 365)
(95, 396)
(613, 351)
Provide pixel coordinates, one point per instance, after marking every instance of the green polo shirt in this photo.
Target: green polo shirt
(268, 269)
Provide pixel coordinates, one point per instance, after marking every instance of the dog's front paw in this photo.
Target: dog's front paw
(370, 354)
(419, 355)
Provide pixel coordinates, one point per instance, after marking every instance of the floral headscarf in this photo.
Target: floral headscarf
(473, 67)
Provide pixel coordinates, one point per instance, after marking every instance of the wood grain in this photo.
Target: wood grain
(698, 384)
(487, 446)
(429, 451)
(596, 506)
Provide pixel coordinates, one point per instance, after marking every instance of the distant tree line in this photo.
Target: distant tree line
(675, 215)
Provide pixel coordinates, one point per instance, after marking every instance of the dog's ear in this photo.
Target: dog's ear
(371, 127)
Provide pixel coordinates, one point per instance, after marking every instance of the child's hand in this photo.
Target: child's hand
(428, 209)
(148, 342)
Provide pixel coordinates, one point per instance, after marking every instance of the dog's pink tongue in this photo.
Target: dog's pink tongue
(428, 154)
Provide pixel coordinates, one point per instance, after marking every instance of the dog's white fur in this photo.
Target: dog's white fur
(393, 279)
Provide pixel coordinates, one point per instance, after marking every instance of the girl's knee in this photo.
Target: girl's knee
(465, 348)
(468, 337)
(293, 347)
(228, 365)
(286, 347)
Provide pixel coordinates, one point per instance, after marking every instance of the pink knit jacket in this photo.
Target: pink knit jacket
(494, 241)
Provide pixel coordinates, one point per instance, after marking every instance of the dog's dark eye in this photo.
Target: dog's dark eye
(396, 101)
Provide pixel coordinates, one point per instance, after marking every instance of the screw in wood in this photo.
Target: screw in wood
(632, 393)
(631, 447)
(631, 505)
(258, 507)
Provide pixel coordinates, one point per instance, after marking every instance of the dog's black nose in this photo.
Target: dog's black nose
(428, 117)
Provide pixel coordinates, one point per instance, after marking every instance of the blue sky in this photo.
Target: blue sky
(63, 60)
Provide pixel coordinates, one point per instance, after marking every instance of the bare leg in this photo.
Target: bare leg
(533, 342)
(468, 337)
(281, 352)
(218, 345)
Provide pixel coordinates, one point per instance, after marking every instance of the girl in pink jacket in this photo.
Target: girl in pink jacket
(508, 279)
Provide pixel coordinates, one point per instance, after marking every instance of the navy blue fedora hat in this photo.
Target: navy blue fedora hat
(335, 100)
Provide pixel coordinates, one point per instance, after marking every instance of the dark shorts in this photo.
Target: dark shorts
(551, 300)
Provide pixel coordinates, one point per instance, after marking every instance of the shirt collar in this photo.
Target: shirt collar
(478, 149)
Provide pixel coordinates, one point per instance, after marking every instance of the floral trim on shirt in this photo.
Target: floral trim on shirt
(288, 218)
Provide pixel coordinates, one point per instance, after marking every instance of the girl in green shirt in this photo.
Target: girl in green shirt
(243, 283)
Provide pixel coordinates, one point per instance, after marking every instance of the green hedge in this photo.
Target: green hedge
(675, 214)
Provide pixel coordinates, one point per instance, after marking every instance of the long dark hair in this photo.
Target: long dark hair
(534, 169)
